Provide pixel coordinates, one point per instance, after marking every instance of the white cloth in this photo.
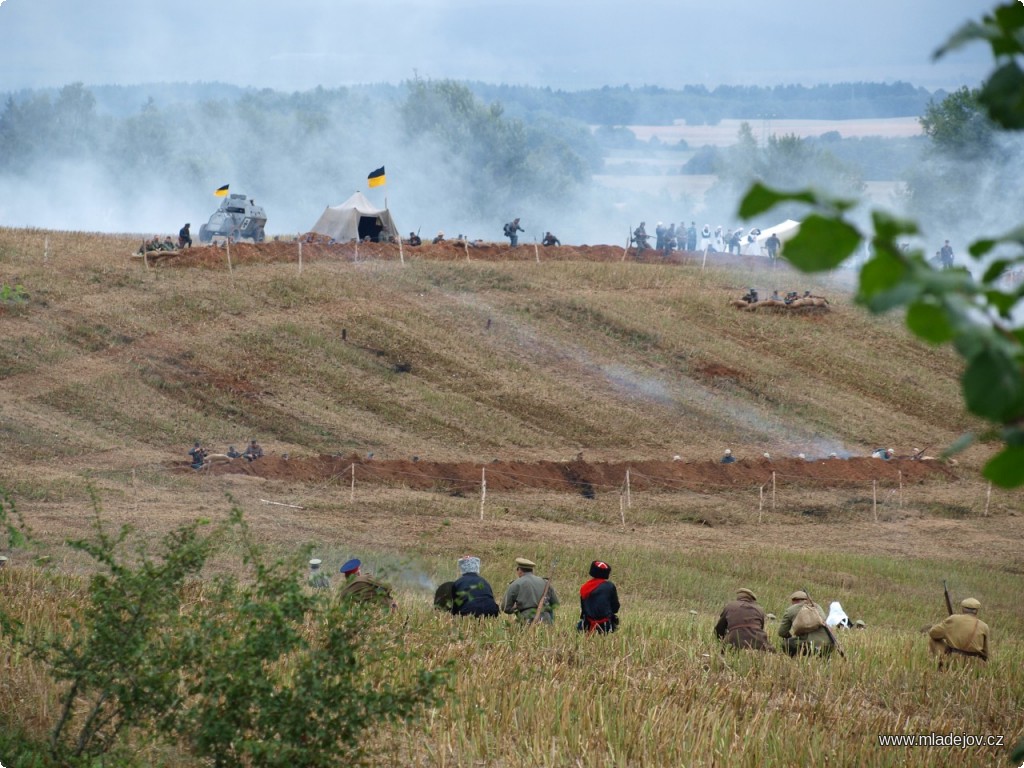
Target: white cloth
(837, 616)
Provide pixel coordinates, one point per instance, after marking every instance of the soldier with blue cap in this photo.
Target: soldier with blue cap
(363, 588)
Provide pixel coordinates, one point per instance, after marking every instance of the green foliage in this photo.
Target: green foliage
(255, 671)
(975, 314)
(958, 125)
(13, 294)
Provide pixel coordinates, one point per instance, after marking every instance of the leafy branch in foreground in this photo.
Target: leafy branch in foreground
(975, 314)
(245, 669)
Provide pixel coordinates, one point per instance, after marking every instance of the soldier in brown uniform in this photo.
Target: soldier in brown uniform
(961, 634)
(741, 623)
(802, 642)
(361, 588)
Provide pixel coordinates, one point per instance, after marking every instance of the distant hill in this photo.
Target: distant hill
(531, 355)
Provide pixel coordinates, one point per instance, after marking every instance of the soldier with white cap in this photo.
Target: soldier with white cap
(3, 561)
(471, 594)
(727, 457)
(961, 634)
(317, 578)
(524, 594)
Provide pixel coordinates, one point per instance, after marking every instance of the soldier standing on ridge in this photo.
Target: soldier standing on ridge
(512, 230)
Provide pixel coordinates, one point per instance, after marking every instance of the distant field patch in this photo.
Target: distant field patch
(724, 133)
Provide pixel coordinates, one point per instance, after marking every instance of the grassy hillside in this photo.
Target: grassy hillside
(529, 360)
(109, 370)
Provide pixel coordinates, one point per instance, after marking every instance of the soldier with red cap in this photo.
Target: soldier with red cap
(599, 601)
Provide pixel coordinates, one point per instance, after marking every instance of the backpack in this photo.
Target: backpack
(807, 620)
(508, 230)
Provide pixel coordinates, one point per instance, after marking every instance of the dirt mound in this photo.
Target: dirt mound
(583, 477)
(285, 251)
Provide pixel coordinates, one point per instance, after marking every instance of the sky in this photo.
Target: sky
(566, 44)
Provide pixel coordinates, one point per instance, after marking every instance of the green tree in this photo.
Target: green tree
(975, 314)
(247, 669)
(958, 125)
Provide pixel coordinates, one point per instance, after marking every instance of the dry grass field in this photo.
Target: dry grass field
(439, 366)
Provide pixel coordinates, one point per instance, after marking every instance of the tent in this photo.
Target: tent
(355, 219)
(785, 231)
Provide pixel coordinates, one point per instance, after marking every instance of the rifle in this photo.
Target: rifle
(949, 601)
(828, 630)
(917, 456)
(544, 595)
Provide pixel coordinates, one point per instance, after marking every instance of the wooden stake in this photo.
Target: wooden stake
(705, 259)
(46, 249)
(760, 504)
(229, 254)
(536, 252)
(901, 489)
(401, 253)
(629, 497)
(988, 497)
(773, 490)
(874, 498)
(622, 510)
(352, 493)
(357, 250)
(465, 247)
(483, 490)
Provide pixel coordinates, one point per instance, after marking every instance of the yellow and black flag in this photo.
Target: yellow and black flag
(376, 178)
(222, 191)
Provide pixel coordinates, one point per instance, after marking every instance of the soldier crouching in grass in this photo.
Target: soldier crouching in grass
(525, 593)
(960, 634)
(803, 629)
(741, 623)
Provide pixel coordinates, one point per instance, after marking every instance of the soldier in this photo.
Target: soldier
(364, 589)
(254, 451)
(640, 237)
(185, 237)
(550, 239)
(198, 454)
(691, 236)
(438, 238)
(414, 239)
(512, 230)
(3, 561)
(317, 578)
(772, 244)
(599, 601)
(471, 594)
(961, 634)
(233, 452)
(946, 255)
(727, 457)
(741, 623)
(803, 629)
(659, 236)
(524, 594)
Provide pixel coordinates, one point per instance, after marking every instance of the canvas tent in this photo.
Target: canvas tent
(355, 219)
(785, 231)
